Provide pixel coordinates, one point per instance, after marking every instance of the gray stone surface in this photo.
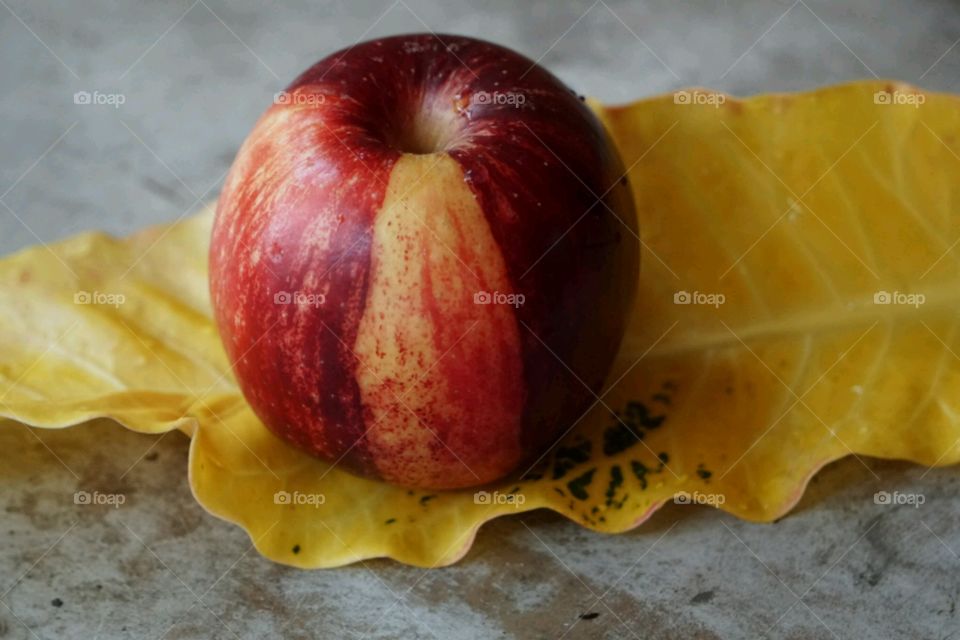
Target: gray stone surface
(195, 77)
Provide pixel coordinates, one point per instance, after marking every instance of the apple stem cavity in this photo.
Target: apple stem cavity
(429, 128)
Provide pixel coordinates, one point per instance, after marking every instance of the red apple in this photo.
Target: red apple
(423, 259)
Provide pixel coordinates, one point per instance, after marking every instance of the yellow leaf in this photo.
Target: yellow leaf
(797, 304)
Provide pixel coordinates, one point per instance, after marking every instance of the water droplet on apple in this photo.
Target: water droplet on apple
(475, 175)
(276, 252)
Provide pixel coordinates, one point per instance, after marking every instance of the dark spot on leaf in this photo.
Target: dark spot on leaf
(642, 471)
(637, 412)
(616, 479)
(703, 472)
(702, 597)
(618, 438)
(390, 521)
(578, 486)
(589, 616)
(57, 602)
(426, 499)
(630, 428)
(150, 457)
(567, 458)
(296, 549)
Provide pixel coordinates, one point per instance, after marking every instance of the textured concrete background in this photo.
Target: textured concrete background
(195, 75)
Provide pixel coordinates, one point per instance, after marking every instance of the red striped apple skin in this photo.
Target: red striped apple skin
(388, 189)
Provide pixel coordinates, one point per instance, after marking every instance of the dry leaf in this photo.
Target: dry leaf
(797, 305)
